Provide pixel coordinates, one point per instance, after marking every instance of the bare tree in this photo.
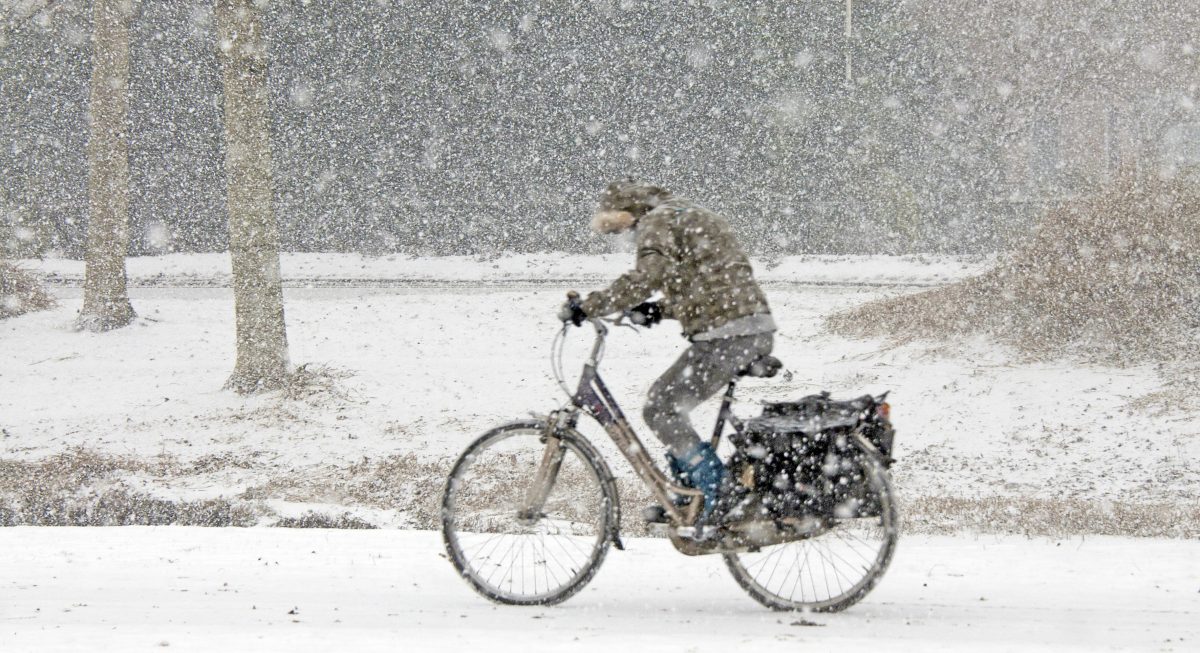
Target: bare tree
(262, 353)
(105, 300)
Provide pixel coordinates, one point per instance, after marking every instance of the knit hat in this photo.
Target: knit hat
(622, 203)
(634, 196)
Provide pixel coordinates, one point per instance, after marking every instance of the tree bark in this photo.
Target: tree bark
(262, 353)
(105, 299)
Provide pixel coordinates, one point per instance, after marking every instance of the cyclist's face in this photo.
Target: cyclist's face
(626, 240)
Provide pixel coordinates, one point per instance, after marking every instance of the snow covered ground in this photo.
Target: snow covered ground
(986, 441)
(195, 589)
(420, 356)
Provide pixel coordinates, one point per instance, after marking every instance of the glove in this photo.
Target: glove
(646, 314)
(572, 312)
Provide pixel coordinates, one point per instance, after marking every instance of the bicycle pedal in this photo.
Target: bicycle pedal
(655, 515)
(705, 536)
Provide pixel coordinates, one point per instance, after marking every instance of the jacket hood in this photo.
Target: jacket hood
(636, 197)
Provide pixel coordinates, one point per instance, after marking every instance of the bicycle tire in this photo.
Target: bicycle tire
(749, 568)
(582, 499)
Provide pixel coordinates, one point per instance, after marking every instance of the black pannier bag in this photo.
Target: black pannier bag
(818, 412)
(798, 459)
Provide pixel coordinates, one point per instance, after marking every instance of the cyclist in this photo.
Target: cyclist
(690, 255)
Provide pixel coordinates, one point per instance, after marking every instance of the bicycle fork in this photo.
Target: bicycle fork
(547, 471)
(546, 475)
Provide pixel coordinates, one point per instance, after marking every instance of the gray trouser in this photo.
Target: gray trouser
(702, 370)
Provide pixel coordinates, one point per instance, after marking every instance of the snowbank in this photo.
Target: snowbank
(1114, 276)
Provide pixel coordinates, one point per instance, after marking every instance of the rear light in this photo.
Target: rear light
(884, 410)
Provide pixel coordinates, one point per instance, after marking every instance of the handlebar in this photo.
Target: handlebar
(600, 324)
(573, 301)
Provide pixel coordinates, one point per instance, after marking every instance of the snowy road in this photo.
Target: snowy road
(129, 589)
(462, 284)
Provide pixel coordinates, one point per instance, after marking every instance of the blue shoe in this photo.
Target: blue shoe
(657, 514)
(680, 475)
(700, 468)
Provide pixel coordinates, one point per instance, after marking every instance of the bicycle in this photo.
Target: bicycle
(531, 507)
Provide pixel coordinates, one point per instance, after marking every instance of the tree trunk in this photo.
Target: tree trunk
(262, 357)
(105, 299)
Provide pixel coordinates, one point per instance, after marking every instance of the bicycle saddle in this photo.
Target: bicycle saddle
(762, 367)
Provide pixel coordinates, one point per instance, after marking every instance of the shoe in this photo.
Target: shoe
(681, 477)
(656, 514)
(702, 469)
(705, 467)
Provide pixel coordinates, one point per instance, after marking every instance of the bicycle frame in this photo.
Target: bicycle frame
(593, 397)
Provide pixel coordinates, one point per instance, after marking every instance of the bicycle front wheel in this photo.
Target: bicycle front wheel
(509, 553)
(834, 569)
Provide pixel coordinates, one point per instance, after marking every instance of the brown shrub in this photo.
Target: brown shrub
(1113, 276)
(312, 519)
(20, 292)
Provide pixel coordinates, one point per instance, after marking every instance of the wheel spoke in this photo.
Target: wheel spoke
(838, 576)
(478, 548)
(841, 534)
(572, 566)
(500, 565)
(799, 566)
(497, 541)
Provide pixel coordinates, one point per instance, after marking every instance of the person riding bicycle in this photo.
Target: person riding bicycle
(691, 256)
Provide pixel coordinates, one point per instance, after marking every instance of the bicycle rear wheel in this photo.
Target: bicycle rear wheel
(508, 554)
(832, 570)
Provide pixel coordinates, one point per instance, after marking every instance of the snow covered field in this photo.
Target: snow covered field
(419, 357)
(986, 441)
(194, 589)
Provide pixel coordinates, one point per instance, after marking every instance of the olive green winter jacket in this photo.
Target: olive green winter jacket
(691, 256)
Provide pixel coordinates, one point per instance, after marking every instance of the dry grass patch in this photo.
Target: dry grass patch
(1114, 277)
(313, 519)
(68, 471)
(121, 507)
(81, 488)
(20, 292)
(316, 384)
(84, 488)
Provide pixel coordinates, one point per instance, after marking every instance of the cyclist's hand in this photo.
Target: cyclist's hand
(571, 311)
(646, 314)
